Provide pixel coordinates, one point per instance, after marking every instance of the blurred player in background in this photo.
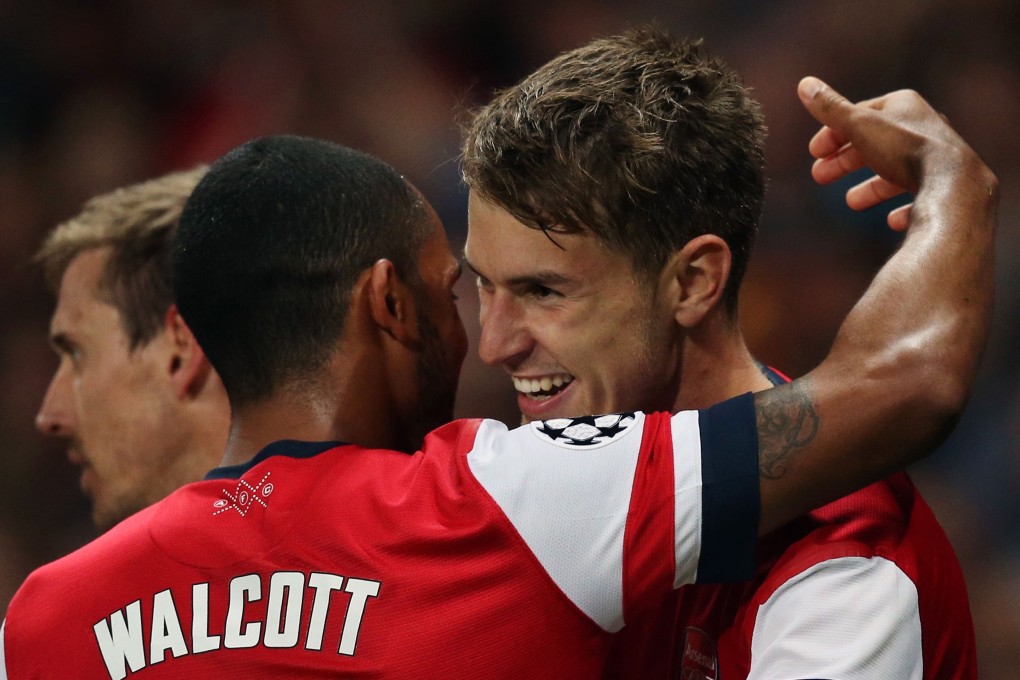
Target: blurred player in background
(614, 200)
(141, 409)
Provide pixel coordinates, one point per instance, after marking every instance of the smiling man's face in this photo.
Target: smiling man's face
(568, 320)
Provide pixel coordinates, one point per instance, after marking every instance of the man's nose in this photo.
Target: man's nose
(56, 416)
(505, 338)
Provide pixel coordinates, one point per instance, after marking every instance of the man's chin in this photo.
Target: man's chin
(102, 521)
(105, 517)
(87, 482)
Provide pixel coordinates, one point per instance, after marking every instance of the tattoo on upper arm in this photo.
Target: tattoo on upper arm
(786, 421)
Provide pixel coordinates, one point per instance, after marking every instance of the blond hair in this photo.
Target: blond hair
(138, 224)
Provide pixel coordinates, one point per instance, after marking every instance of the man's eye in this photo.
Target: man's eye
(73, 355)
(543, 292)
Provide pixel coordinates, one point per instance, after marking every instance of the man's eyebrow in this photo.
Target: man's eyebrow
(466, 262)
(540, 278)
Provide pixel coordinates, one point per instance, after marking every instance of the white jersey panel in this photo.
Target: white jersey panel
(687, 483)
(568, 499)
(3, 659)
(850, 618)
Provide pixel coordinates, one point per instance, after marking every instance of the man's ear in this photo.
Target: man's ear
(188, 366)
(391, 303)
(697, 276)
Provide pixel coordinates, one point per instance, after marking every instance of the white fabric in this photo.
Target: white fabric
(687, 485)
(582, 494)
(848, 618)
(3, 660)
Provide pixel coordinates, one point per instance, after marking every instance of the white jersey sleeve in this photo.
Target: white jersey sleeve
(850, 617)
(568, 487)
(568, 503)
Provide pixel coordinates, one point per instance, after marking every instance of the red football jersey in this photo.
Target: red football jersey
(490, 553)
(866, 587)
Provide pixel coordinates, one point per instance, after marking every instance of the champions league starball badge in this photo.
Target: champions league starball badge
(587, 432)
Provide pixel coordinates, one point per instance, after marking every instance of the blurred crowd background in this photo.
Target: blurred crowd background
(95, 95)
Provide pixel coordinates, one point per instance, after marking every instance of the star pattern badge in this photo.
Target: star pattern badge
(587, 431)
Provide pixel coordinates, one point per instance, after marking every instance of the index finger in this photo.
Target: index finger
(826, 142)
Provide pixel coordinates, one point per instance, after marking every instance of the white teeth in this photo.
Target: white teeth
(544, 384)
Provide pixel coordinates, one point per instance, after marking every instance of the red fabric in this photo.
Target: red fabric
(649, 533)
(457, 594)
(889, 519)
(410, 547)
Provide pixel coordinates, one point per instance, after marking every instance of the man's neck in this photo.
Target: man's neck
(716, 371)
(255, 426)
(349, 404)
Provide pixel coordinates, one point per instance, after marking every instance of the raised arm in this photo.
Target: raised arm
(901, 367)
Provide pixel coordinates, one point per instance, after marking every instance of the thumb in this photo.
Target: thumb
(832, 110)
(824, 103)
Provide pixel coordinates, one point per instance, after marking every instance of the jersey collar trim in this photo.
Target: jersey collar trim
(774, 376)
(291, 448)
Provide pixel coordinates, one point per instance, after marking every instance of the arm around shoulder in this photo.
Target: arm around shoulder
(902, 364)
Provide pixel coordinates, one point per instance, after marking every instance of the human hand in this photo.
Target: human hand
(898, 135)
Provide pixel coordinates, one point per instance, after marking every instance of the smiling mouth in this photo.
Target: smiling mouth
(542, 388)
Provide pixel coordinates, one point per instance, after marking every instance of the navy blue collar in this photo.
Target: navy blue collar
(293, 448)
(285, 447)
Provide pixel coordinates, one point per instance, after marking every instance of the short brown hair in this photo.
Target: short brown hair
(138, 223)
(644, 140)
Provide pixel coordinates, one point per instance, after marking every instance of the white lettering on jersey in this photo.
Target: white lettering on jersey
(201, 641)
(286, 586)
(122, 637)
(166, 629)
(121, 640)
(243, 589)
(323, 584)
(360, 591)
(3, 662)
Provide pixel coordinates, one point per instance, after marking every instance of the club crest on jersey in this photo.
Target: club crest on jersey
(698, 658)
(245, 496)
(587, 432)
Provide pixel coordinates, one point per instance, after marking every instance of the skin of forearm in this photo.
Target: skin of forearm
(903, 361)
